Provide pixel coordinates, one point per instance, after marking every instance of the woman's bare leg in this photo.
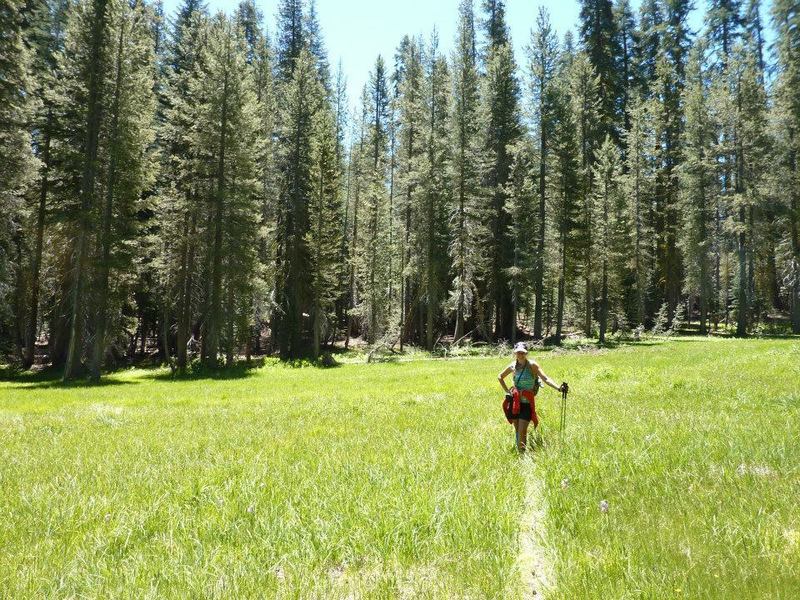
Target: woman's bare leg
(522, 434)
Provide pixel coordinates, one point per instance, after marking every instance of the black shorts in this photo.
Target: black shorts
(524, 411)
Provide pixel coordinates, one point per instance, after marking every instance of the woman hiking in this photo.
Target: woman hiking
(526, 383)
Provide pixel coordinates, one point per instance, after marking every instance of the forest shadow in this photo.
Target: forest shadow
(198, 372)
(52, 378)
(239, 370)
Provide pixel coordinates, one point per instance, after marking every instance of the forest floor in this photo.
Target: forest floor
(677, 476)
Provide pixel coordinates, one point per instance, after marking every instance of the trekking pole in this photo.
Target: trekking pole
(564, 390)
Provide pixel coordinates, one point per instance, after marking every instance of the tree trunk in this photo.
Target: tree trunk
(741, 319)
(165, 336)
(185, 290)
(794, 216)
(105, 224)
(561, 285)
(93, 118)
(215, 314)
(604, 304)
(459, 328)
(429, 293)
(33, 311)
(587, 325)
(405, 298)
(317, 324)
(229, 322)
(539, 271)
(351, 288)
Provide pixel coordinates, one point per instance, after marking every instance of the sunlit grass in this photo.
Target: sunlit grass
(694, 446)
(398, 480)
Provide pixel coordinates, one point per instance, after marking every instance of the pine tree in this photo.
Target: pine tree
(375, 243)
(630, 76)
(249, 20)
(316, 45)
(158, 28)
(126, 147)
(601, 42)
(543, 54)
(298, 183)
(724, 29)
(638, 189)
(520, 205)
(495, 24)
(786, 20)
(661, 321)
(432, 231)
(753, 146)
(651, 24)
(267, 167)
(754, 33)
(697, 189)
(323, 236)
(724, 22)
(467, 225)
(87, 45)
(410, 156)
(44, 23)
(680, 319)
(181, 186)
(761, 259)
(607, 226)
(564, 194)
(17, 164)
(584, 86)
(760, 216)
(666, 90)
(201, 184)
(341, 117)
(291, 37)
(503, 129)
(223, 144)
(355, 184)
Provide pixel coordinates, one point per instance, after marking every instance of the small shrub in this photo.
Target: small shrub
(662, 319)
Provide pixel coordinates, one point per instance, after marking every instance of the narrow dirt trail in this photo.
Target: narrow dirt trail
(534, 561)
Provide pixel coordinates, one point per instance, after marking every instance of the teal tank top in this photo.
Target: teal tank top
(524, 379)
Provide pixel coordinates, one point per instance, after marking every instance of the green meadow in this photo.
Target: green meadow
(678, 476)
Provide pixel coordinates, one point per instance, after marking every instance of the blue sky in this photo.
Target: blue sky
(356, 31)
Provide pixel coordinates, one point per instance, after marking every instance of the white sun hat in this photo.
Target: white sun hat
(521, 347)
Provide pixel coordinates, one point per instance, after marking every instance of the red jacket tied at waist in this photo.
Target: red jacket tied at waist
(530, 397)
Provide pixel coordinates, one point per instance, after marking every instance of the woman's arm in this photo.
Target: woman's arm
(502, 379)
(537, 370)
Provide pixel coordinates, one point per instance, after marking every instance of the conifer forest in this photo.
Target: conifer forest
(199, 187)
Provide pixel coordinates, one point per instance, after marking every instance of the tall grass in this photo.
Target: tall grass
(399, 480)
